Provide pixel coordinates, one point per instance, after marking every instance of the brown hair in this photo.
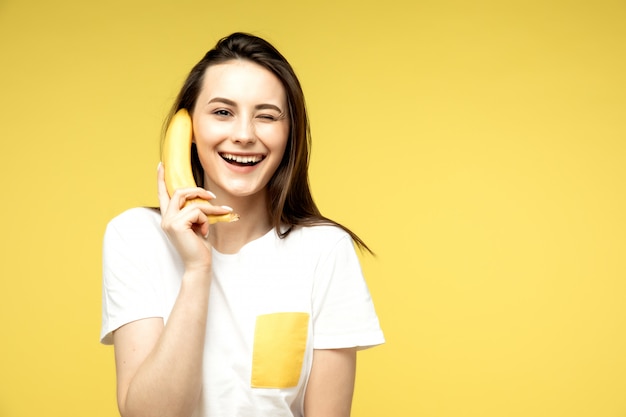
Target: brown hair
(290, 202)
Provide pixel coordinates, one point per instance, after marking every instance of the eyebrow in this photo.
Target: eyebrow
(228, 102)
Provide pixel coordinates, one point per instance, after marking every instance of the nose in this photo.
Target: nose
(244, 131)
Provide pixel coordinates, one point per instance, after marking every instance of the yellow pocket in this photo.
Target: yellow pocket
(279, 345)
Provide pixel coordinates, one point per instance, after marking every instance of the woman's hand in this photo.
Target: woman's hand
(187, 227)
(159, 366)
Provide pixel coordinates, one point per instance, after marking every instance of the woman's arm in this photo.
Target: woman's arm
(159, 367)
(331, 383)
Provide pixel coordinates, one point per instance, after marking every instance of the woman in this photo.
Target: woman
(260, 317)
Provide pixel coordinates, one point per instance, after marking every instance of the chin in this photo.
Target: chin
(245, 191)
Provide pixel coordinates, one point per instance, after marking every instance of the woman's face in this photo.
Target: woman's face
(241, 127)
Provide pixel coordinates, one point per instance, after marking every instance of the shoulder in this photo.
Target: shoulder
(144, 215)
(135, 237)
(321, 238)
(323, 233)
(135, 223)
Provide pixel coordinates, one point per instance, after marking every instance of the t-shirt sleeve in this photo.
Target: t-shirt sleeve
(343, 311)
(129, 289)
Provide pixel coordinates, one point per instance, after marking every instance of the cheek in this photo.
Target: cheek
(207, 133)
(273, 136)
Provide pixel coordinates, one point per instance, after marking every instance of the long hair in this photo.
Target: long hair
(290, 202)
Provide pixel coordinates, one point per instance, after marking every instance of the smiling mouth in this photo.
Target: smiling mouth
(242, 160)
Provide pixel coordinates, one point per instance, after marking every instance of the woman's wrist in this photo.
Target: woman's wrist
(198, 273)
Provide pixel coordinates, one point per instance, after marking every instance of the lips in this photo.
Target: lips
(242, 160)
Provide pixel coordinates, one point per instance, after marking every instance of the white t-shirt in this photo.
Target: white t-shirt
(270, 305)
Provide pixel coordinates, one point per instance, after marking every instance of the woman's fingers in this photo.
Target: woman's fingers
(186, 217)
(182, 196)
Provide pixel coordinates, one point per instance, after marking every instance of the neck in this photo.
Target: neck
(254, 222)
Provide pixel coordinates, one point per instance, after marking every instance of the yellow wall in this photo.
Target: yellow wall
(479, 147)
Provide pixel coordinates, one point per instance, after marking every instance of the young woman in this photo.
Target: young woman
(260, 317)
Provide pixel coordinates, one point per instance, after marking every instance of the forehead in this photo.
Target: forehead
(242, 79)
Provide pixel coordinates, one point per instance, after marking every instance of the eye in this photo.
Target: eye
(268, 117)
(222, 112)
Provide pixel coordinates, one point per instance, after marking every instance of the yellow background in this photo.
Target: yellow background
(478, 146)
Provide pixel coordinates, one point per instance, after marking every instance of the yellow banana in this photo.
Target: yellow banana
(176, 160)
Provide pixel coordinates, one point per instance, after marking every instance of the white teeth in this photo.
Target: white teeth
(242, 159)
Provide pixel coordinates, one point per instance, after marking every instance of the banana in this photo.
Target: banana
(176, 160)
